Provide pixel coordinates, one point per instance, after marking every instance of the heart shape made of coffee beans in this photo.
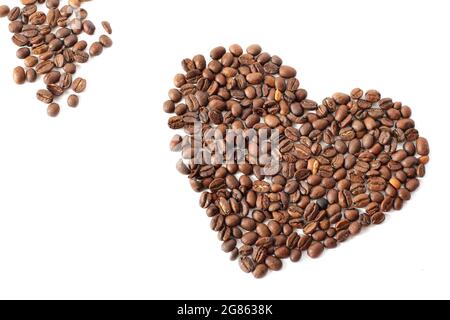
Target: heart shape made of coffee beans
(321, 174)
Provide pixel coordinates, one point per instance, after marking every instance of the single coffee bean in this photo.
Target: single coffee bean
(423, 148)
(44, 67)
(273, 263)
(14, 14)
(107, 26)
(45, 96)
(105, 41)
(315, 250)
(88, 27)
(31, 75)
(79, 85)
(52, 77)
(80, 46)
(55, 89)
(287, 72)
(229, 245)
(260, 271)
(70, 68)
(72, 101)
(22, 53)
(53, 110)
(247, 264)
(96, 49)
(19, 75)
(80, 57)
(4, 11)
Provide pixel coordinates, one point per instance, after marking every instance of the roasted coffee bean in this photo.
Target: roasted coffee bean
(53, 110)
(107, 26)
(273, 263)
(88, 27)
(96, 49)
(79, 85)
(19, 75)
(78, 56)
(70, 68)
(315, 250)
(105, 41)
(14, 13)
(44, 67)
(72, 101)
(45, 96)
(4, 11)
(31, 75)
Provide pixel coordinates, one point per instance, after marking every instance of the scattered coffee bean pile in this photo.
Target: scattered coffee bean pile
(345, 162)
(49, 46)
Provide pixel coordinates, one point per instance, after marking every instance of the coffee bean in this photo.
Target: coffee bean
(287, 72)
(14, 13)
(31, 75)
(52, 77)
(55, 89)
(88, 27)
(19, 75)
(44, 67)
(70, 68)
(422, 147)
(80, 46)
(78, 56)
(105, 41)
(45, 96)
(96, 49)
(72, 101)
(4, 11)
(315, 250)
(79, 85)
(273, 263)
(107, 26)
(260, 271)
(53, 110)
(22, 53)
(229, 245)
(247, 264)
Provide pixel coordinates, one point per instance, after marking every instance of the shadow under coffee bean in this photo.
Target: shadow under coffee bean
(343, 163)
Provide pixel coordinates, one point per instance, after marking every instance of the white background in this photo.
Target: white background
(92, 207)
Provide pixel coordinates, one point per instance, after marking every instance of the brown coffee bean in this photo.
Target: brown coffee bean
(4, 11)
(45, 96)
(88, 27)
(229, 245)
(19, 75)
(31, 75)
(106, 41)
(79, 85)
(274, 263)
(72, 101)
(96, 49)
(107, 26)
(80, 46)
(260, 271)
(70, 68)
(315, 250)
(247, 264)
(53, 110)
(44, 67)
(423, 148)
(287, 72)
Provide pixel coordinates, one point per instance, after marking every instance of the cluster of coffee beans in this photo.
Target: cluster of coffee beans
(344, 163)
(50, 46)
